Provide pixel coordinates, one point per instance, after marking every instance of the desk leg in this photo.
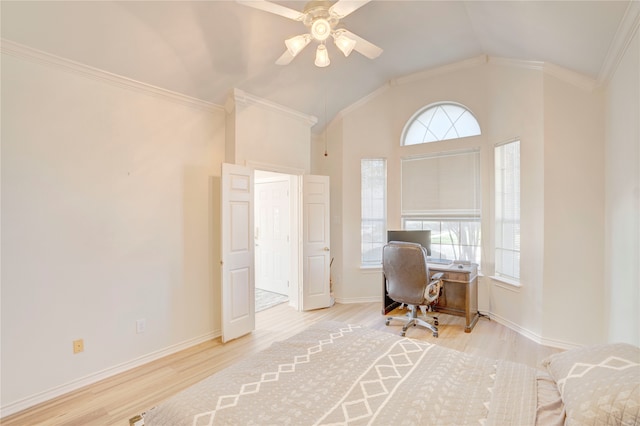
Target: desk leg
(471, 305)
(472, 319)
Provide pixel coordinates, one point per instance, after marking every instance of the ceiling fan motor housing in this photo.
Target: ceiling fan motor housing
(318, 18)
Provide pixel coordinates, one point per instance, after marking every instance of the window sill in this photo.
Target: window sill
(371, 268)
(506, 283)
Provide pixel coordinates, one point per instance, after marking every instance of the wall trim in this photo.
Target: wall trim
(37, 56)
(357, 104)
(624, 35)
(267, 167)
(57, 391)
(530, 334)
(421, 75)
(351, 300)
(493, 317)
(240, 97)
(444, 69)
(580, 80)
(516, 63)
(572, 77)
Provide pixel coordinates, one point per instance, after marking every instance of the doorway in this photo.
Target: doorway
(276, 239)
(309, 244)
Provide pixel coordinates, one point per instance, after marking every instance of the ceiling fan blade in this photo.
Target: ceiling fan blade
(285, 59)
(344, 7)
(363, 46)
(273, 8)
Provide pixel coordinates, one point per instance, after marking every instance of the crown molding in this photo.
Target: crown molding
(567, 75)
(445, 69)
(624, 35)
(516, 63)
(572, 77)
(357, 104)
(240, 97)
(21, 51)
(408, 79)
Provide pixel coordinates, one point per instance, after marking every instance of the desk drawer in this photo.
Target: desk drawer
(462, 277)
(456, 276)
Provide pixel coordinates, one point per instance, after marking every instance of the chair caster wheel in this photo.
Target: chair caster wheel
(435, 334)
(387, 322)
(403, 334)
(436, 322)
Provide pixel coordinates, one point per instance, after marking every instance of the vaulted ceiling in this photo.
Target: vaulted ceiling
(203, 49)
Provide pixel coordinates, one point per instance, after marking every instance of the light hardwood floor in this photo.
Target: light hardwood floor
(115, 400)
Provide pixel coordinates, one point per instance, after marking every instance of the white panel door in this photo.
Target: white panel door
(315, 242)
(272, 250)
(238, 285)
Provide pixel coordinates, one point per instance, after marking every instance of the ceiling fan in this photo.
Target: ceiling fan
(322, 18)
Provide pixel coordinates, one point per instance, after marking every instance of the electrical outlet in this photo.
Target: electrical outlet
(141, 326)
(136, 421)
(78, 346)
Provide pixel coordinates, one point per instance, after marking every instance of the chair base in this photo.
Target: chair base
(411, 319)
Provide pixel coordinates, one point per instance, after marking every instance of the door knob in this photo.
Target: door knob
(326, 249)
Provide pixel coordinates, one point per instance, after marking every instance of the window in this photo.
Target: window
(373, 173)
(441, 193)
(507, 211)
(440, 122)
(451, 239)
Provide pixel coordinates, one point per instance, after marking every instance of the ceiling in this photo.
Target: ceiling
(203, 49)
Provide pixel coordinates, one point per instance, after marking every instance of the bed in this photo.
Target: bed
(346, 374)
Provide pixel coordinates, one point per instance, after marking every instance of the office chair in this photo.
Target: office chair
(407, 281)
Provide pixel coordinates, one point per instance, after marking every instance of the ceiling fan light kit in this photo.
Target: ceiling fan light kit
(297, 43)
(322, 56)
(344, 43)
(322, 18)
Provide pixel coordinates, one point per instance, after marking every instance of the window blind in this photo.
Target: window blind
(442, 185)
(373, 175)
(507, 209)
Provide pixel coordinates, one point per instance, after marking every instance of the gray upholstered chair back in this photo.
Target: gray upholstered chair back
(405, 270)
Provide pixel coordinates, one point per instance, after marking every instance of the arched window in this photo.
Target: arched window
(439, 122)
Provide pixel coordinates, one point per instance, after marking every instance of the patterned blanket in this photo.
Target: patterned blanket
(340, 374)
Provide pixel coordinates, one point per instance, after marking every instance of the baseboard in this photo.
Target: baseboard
(349, 300)
(529, 334)
(57, 391)
(500, 320)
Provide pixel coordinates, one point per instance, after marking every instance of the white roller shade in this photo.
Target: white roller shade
(443, 185)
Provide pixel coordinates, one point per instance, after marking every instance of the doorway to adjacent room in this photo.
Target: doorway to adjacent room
(274, 236)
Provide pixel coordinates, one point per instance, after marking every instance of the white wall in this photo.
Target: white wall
(109, 215)
(515, 111)
(622, 214)
(573, 213)
(511, 99)
(268, 134)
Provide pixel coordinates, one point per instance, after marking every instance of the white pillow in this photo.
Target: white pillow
(599, 385)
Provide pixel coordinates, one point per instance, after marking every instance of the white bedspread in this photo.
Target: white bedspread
(335, 373)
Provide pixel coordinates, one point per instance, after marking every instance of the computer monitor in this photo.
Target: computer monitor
(422, 237)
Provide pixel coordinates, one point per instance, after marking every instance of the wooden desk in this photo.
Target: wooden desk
(459, 293)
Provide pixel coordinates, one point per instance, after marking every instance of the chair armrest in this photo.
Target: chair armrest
(432, 292)
(436, 277)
